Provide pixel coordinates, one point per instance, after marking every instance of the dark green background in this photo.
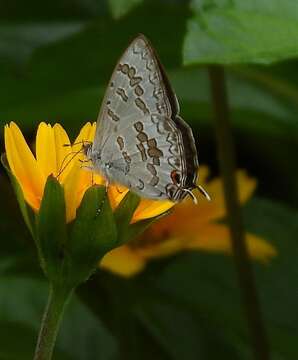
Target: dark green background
(55, 60)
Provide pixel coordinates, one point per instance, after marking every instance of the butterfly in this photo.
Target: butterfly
(141, 141)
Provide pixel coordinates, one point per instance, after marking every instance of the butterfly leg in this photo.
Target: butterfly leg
(203, 192)
(118, 190)
(189, 193)
(88, 168)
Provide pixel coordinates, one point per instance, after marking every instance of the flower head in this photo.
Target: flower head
(53, 157)
(189, 227)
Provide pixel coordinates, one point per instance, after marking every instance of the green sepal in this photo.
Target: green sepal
(92, 235)
(27, 212)
(51, 230)
(123, 215)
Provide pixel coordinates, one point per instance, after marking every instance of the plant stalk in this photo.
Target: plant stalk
(227, 163)
(57, 300)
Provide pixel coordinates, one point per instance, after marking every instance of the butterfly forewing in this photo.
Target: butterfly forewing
(136, 88)
(142, 141)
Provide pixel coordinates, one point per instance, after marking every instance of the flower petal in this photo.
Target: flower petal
(63, 153)
(116, 193)
(123, 261)
(45, 149)
(203, 174)
(24, 166)
(207, 211)
(78, 179)
(51, 151)
(187, 217)
(216, 238)
(166, 247)
(151, 208)
(87, 134)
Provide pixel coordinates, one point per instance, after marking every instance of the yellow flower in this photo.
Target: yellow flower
(53, 157)
(189, 227)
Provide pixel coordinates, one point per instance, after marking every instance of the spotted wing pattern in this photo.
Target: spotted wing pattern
(141, 141)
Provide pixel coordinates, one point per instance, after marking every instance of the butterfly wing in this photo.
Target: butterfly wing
(139, 132)
(152, 159)
(137, 87)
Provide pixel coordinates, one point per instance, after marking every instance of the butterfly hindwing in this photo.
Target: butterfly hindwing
(149, 158)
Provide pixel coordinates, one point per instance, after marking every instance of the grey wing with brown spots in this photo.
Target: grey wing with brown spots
(138, 87)
(140, 136)
(152, 159)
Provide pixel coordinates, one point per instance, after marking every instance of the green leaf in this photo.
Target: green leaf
(167, 321)
(263, 104)
(241, 32)
(82, 335)
(74, 97)
(120, 8)
(25, 336)
(27, 212)
(92, 235)
(27, 37)
(51, 229)
(208, 285)
(149, 322)
(207, 300)
(123, 215)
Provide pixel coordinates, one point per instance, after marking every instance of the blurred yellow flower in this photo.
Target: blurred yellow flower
(189, 227)
(63, 162)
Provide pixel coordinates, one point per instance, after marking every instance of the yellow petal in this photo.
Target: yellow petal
(123, 261)
(24, 166)
(150, 208)
(73, 192)
(87, 134)
(85, 177)
(184, 219)
(116, 194)
(246, 186)
(45, 149)
(203, 174)
(207, 211)
(216, 238)
(166, 247)
(51, 153)
(63, 153)
(78, 179)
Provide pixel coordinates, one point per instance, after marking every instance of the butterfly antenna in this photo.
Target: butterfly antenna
(64, 166)
(82, 142)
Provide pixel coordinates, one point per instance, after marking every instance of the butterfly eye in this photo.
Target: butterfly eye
(86, 147)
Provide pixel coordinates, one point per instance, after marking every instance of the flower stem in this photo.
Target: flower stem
(227, 163)
(57, 300)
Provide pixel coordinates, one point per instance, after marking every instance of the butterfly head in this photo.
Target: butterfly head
(94, 156)
(87, 148)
